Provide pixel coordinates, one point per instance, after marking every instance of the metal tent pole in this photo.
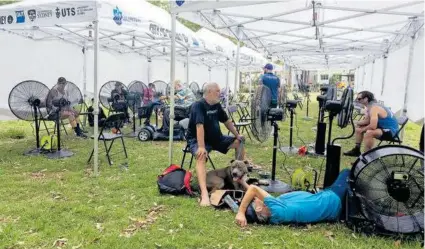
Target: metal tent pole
(371, 75)
(187, 66)
(384, 72)
(172, 79)
(237, 67)
(209, 74)
(227, 83)
(96, 99)
(408, 77)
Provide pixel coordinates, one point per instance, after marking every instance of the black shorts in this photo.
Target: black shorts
(221, 146)
(386, 134)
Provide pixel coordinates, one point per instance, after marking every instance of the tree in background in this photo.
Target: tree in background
(335, 79)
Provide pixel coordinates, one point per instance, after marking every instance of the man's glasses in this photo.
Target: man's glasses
(358, 99)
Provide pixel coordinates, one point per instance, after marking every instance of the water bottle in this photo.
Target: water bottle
(232, 204)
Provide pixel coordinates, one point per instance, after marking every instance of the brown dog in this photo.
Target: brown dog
(226, 178)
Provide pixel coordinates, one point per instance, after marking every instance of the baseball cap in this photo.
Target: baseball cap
(250, 214)
(61, 80)
(268, 66)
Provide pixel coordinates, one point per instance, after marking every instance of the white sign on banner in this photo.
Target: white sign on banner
(48, 15)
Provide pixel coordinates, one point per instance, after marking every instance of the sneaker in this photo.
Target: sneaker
(353, 152)
(82, 135)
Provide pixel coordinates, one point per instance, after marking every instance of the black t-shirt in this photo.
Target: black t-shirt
(208, 115)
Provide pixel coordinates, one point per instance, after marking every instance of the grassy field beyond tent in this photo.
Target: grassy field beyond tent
(58, 203)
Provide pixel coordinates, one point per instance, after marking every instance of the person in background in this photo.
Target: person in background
(183, 99)
(67, 112)
(272, 82)
(379, 122)
(119, 100)
(150, 101)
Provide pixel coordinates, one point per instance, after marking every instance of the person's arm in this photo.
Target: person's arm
(231, 127)
(373, 119)
(252, 192)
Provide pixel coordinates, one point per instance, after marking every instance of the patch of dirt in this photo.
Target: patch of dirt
(143, 222)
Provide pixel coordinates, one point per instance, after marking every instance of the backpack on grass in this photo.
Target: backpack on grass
(175, 180)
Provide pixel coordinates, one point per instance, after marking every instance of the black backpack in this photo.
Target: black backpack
(175, 180)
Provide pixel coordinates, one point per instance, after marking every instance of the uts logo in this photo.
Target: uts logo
(20, 16)
(32, 15)
(65, 12)
(117, 16)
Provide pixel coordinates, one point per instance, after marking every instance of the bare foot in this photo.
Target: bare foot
(205, 202)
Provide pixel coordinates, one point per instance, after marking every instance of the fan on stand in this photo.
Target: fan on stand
(135, 98)
(196, 90)
(264, 119)
(113, 95)
(25, 101)
(386, 184)
(64, 100)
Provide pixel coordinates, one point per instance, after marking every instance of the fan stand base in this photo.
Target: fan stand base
(306, 118)
(290, 150)
(59, 154)
(276, 186)
(33, 152)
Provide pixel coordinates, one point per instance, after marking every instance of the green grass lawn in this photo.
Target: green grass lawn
(58, 203)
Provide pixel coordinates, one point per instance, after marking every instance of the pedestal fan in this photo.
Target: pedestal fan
(136, 92)
(26, 101)
(63, 100)
(196, 90)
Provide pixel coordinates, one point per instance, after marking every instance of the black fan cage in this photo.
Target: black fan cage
(161, 88)
(136, 92)
(388, 183)
(196, 90)
(259, 108)
(107, 92)
(347, 108)
(68, 94)
(24, 96)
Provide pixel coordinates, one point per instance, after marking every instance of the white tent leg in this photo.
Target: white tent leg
(96, 99)
(363, 75)
(149, 70)
(187, 67)
(371, 75)
(250, 84)
(384, 72)
(85, 73)
(237, 67)
(408, 78)
(172, 79)
(227, 83)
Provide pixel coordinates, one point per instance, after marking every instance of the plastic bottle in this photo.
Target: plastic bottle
(232, 204)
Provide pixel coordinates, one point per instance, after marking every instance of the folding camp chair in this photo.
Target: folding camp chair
(402, 121)
(241, 125)
(113, 121)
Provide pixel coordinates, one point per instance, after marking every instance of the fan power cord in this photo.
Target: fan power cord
(320, 169)
(284, 160)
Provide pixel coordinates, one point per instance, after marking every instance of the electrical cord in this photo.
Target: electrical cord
(298, 129)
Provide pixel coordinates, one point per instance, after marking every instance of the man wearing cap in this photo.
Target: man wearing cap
(299, 207)
(67, 112)
(272, 82)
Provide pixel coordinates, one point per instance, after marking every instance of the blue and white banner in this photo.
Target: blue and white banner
(48, 14)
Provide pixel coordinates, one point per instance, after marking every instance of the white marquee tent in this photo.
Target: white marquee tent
(326, 34)
(103, 28)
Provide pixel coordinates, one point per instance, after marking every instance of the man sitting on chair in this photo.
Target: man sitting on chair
(119, 100)
(204, 133)
(67, 112)
(379, 122)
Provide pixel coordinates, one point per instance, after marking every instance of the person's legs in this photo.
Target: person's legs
(369, 138)
(228, 142)
(166, 120)
(236, 145)
(359, 139)
(200, 173)
(340, 186)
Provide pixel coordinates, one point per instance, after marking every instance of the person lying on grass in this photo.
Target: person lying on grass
(294, 207)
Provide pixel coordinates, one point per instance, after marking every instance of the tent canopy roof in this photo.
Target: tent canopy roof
(310, 35)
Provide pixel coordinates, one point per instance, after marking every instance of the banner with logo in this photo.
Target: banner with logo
(48, 14)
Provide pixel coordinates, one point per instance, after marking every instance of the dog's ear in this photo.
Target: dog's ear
(231, 161)
(246, 162)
